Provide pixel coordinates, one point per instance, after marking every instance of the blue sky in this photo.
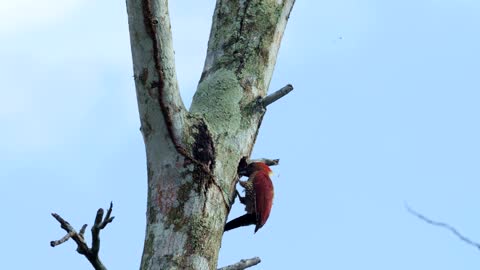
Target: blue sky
(385, 111)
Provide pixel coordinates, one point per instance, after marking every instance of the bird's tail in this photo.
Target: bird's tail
(245, 220)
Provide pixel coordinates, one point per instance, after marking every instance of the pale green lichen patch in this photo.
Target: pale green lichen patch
(176, 215)
(243, 32)
(199, 261)
(217, 100)
(258, 30)
(200, 237)
(198, 233)
(226, 25)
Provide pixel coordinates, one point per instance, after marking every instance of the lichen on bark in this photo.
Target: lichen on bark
(217, 101)
(193, 155)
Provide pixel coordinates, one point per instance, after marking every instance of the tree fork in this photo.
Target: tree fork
(189, 152)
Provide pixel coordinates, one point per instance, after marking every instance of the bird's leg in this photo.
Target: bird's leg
(242, 199)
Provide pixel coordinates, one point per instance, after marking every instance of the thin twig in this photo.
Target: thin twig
(60, 241)
(277, 95)
(243, 264)
(90, 253)
(108, 217)
(443, 225)
(82, 230)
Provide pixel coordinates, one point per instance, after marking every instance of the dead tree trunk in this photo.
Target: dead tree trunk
(193, 155)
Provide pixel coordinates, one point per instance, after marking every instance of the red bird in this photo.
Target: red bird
(258, 198)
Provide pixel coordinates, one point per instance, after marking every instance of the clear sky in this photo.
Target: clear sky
(385, 111)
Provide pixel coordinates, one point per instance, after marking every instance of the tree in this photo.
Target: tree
(193, 156)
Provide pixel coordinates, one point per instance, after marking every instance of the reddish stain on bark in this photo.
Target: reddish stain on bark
(166, 198)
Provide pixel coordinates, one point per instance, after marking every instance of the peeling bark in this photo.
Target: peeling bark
(193, 156)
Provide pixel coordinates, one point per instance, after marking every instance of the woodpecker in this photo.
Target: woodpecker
(258, 198)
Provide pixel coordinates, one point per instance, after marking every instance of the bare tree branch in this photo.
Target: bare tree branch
(90, 253)
(277, 95)
(243, 264)
(443, 225)
(108, 217)
(82, 230)
(62, 240)
(99, 224)
(160, 105)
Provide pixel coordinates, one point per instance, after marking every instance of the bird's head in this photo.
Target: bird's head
(258, 166)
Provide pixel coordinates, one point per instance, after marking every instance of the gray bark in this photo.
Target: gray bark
(192, 156)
